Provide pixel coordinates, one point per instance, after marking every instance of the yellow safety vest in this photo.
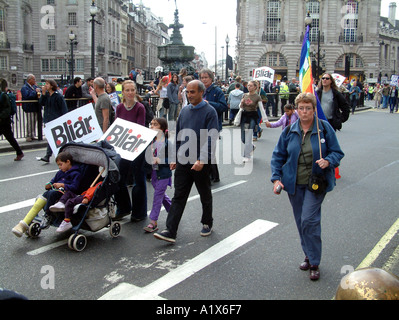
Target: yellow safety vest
(284, 92)
(118, 89)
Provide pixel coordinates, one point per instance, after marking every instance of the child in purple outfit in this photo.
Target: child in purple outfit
(289, 117)
(161, 175)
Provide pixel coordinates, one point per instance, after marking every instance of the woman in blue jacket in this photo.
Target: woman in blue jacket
(295, 158)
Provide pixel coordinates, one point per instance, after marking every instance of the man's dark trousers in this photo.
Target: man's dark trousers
(184, 179)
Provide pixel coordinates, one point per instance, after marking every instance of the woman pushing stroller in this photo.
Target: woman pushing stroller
(67, 179)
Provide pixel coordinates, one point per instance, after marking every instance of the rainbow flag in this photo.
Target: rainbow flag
(305, 73)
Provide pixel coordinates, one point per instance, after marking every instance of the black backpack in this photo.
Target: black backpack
(268, 87)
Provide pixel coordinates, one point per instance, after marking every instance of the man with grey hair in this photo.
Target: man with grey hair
(103, 107)
(196, 135)
(30, 92)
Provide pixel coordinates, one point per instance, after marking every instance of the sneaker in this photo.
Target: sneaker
(166, 236)
(206, 230)
(20, 229)
(64, 226)
(47, 221)
(151, 228)
(58, 207)
(44, 159)
(19, 157)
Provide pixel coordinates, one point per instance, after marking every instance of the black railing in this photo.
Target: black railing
(19, 127)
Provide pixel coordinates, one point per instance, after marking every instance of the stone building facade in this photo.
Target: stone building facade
(270, 33)
(34, 38)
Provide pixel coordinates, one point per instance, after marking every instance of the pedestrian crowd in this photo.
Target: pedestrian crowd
(304, 162)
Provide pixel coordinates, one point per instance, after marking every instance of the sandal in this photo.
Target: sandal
(151, 228)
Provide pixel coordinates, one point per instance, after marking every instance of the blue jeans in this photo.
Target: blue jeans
(307, 212)
(172, 114)
(233, 113)
(385, 102)
(246, 136)
(392, 103)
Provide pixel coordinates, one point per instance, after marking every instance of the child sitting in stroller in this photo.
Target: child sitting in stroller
(67, 179)
(67, 203)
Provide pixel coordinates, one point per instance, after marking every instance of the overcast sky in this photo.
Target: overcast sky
(200, 18)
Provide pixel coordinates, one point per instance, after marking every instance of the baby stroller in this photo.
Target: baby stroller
(97, 162)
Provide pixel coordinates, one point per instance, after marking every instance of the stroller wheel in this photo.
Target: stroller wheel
(115, 229)
(77, 242)
(34, 230)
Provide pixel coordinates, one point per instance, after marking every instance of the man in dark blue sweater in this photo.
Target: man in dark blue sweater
(196, 136)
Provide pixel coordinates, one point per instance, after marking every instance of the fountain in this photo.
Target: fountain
(176, 55)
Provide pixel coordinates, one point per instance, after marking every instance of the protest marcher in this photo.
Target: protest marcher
(304, 167)
(5, 124)
(136, 203)
(54, 107)
(193, 164)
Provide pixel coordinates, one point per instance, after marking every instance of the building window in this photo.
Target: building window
(273, 59)
(72, 19)
(45, 65)
(273, 20)
(51, 43)
(80, 65)
(61, 65)
(350, 21)
(356, 62)
(313, 7)
(2, 20)
(50, 2)
(3, 63)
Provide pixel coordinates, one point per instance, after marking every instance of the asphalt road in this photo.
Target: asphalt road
(254, 251)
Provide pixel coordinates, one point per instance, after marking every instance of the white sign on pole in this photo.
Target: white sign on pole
(79, 125)
(394, 80)
(264, 74)
(128, 138)
(339, 80)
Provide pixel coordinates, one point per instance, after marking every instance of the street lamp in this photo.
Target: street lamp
(222, 61)
(227, 56)
(72, 38)
(318, 56)
(93, 13)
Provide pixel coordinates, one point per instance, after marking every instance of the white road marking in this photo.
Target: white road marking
(28, 176)
(126, 291)
(17, 206)
(63, 242)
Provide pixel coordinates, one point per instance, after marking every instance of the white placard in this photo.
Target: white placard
(79, 125)
(394, 80)
(264, 74)
(128, 138)
(339, 80)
